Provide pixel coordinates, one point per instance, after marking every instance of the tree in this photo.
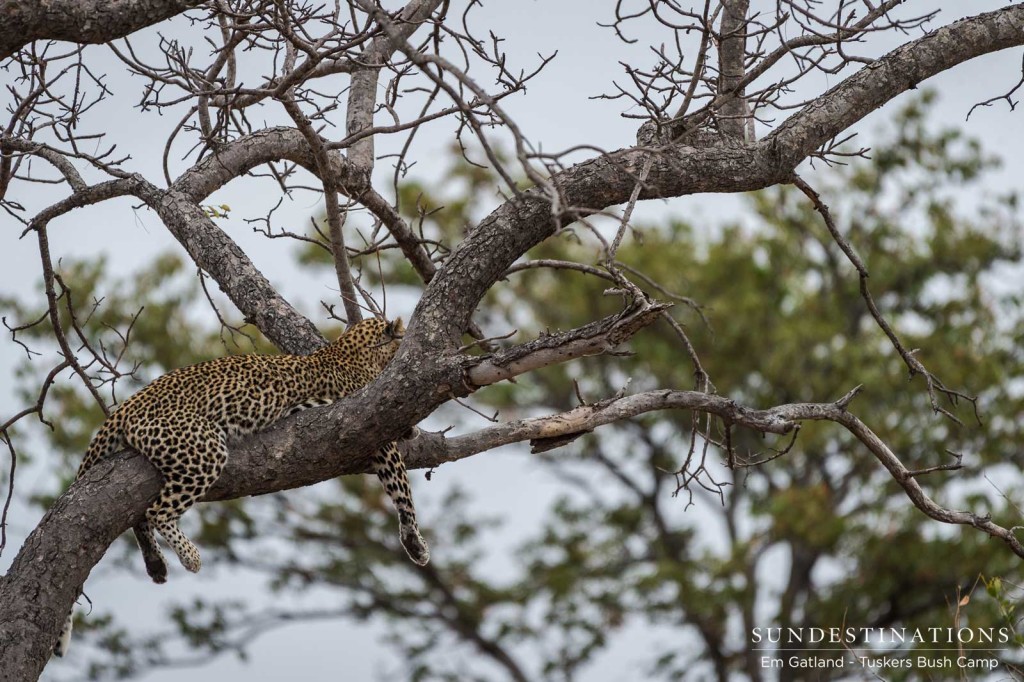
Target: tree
(615, 549)
(699, 136)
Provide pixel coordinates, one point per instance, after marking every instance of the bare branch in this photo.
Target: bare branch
(732, 49)
(335, 220)
(221, 257)
(430, 449)
(1008, 97)
(306, 41)
(898, 71)
(934, 384)
(58, 328)
(6, 438)
(593, 339)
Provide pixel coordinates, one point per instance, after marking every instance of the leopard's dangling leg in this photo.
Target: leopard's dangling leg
(390, 469)
(189, 468)
(163, 517)
(156, 567)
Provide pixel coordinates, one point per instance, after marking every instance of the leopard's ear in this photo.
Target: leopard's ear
(395, 329)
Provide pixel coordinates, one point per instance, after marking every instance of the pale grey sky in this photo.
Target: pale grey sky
(556, 113)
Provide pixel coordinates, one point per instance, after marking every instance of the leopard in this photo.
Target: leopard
(182, 421)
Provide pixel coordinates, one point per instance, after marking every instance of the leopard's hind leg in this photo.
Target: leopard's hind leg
(190, 462)
(390, 469)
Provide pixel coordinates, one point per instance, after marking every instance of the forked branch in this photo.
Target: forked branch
(432, 448)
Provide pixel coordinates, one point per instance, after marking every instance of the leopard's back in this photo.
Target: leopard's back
(239, 393)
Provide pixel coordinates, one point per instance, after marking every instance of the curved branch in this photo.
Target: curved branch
(908, 481)
(92, 21)
(86, 196)
(209, 246)
(377, 54)
(216, 253)
(310, 447)
(594, 185)
(896, 72)
(318, 444)
(435, 447)
(56, 159)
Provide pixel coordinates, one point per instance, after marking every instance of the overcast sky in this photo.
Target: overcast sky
(555, 113)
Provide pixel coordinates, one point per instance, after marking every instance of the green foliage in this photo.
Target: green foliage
(818, 537)
(221, 211)
(785, 323)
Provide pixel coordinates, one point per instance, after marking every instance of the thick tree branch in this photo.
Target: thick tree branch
(319, 444)
(218, 254)
(80, 21)
(311, 447)
(362, 100)
(595, 185)
(608, 180)
(236, 158)
(898, 71)
(207, 245)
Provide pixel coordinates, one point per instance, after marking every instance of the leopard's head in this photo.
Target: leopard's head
(374, 341)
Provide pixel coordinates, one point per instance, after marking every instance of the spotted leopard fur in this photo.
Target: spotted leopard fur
(182, 420)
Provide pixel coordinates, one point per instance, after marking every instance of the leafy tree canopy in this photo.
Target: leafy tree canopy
(808, 533)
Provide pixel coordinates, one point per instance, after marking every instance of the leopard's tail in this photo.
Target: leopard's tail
(393, 476)
(108, 440)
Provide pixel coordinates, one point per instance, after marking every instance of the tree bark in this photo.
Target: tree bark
(52, 565)
(78, 21)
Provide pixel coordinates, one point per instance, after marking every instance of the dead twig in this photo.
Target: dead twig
(934, 384)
